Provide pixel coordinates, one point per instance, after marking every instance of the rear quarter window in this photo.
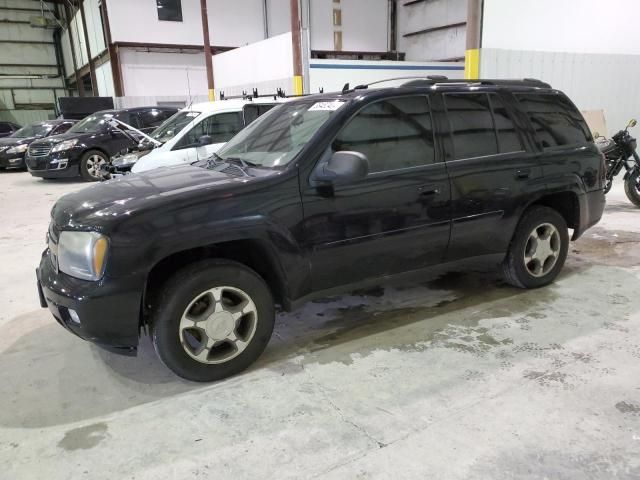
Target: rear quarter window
(555, 119)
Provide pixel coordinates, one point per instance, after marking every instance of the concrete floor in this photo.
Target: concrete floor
(457, 377)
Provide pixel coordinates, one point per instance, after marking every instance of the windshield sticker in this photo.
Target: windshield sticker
(326, 106)
(193, 114)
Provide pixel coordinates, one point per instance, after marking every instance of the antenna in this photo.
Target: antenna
(345, 88)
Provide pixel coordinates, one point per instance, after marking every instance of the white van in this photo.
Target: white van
(194, 133)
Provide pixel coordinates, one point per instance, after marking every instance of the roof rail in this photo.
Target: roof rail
(533, 82)
(346, 88)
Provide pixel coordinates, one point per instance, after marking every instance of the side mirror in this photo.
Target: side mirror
(205, 140)
(632, 123)
(343, 167)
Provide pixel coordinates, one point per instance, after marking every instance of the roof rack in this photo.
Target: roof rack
(280, 93)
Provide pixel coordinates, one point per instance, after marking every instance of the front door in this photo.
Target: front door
(398, 217)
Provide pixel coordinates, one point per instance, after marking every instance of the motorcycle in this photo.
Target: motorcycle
(619, 152)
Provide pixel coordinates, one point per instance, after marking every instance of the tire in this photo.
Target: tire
(632, 187)
(197, 308)
(90, 165)
(541, 269)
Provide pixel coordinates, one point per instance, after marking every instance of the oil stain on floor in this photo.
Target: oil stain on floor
(84, 438)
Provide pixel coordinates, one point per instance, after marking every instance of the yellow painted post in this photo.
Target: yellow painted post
(297, 85)
(472, 64)
(212, 95)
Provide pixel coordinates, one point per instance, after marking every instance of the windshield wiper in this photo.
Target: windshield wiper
(242, 162)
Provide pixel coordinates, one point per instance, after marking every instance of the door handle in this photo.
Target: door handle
(429, 190)
(523, 173)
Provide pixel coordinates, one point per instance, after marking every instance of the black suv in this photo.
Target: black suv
(320, 195)
(14, 147)
(90, 143)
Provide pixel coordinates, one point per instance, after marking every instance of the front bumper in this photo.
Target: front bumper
(105, 312)
(55, 165)
(12, 160)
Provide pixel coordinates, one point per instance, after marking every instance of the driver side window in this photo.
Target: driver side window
(394, 134)
(221, 127)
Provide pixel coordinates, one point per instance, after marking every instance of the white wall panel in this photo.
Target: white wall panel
(585, 26)
(278, 15)
(235, 23)
(137, 21)
(265, 65)
(230, 23)
(163, 74)
(364, 25)
(592, 81)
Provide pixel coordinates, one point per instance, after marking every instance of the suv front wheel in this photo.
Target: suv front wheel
(538, 249)
(213, 319)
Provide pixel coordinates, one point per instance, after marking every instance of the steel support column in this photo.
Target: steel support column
(207, 50)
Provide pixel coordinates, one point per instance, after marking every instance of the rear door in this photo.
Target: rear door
(568, 155)
(493, 171)
(397, 218)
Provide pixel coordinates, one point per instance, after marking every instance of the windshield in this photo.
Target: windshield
(173, 125)
(92, 123)
(276, 137)
(34, 130)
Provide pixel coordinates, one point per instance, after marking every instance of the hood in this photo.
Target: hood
(54, 139)
(102, 205)
(13, 141)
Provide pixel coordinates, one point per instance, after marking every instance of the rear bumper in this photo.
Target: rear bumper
(591, 208)
(105, 312)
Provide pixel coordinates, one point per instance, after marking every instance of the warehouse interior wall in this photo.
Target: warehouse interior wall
(30, 80)
(592, 55)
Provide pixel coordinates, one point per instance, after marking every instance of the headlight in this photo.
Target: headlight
(17, 149)
(83, 254)
(128, 159)
(66, 145)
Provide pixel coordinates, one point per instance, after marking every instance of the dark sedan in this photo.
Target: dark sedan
(91, 142)
(14, 147)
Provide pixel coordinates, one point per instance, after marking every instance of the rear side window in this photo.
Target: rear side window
(480, 125)
(253, 111)
(151, 118)
(221, 127)
(5, 128)
(556, 121)
(394, 134)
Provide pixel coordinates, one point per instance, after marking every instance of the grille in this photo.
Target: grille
(37, 163)
(39, 150)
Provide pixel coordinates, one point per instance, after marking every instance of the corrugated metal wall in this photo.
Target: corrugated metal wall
(592, 81)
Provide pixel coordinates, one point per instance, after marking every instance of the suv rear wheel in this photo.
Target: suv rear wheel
(213, 320)
(91, 164)
(538, 249)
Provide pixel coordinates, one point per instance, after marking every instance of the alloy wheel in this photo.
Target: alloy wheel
(94, 164)
(542, 250)
(218, 325)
